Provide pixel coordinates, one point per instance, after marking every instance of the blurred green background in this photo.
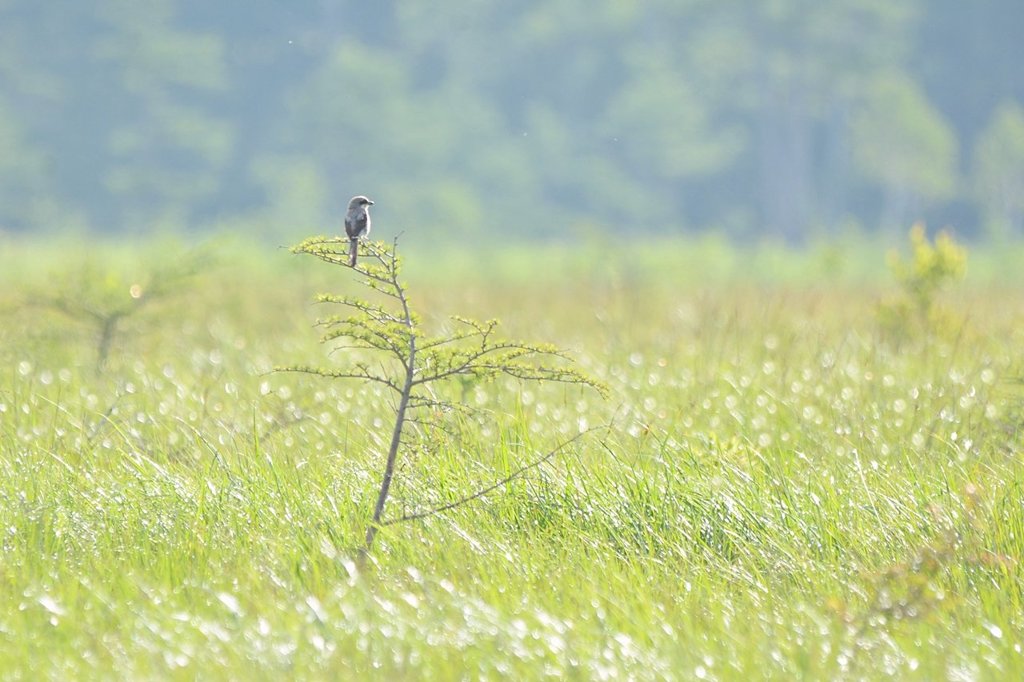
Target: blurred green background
(788, 120)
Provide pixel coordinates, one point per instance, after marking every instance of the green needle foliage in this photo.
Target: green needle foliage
(410, 362)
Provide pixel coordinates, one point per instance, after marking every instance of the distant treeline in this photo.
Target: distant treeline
(788, 118)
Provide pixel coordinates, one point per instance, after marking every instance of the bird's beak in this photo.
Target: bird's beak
(369, 202)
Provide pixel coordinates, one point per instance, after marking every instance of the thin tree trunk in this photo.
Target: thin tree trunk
(106, 338)
(389, 469)
(396, 436)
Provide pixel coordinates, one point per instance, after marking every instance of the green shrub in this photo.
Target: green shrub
(933, 266)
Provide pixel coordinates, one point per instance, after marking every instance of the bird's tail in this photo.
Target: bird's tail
(353, 250)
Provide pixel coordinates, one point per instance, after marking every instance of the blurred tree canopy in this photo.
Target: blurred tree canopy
(785, 118)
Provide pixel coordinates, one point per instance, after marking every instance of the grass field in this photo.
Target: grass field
(788, 488)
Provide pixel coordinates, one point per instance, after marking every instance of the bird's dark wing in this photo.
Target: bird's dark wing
(355, 223)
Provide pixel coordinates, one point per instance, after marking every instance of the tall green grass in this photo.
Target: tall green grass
(785, 491)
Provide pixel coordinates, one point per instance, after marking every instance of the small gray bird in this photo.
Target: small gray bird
(357, 224)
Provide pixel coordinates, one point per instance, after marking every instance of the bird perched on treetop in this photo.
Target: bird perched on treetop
(357, 224)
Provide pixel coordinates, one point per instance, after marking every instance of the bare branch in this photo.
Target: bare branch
(480, 493)
(360, 373)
